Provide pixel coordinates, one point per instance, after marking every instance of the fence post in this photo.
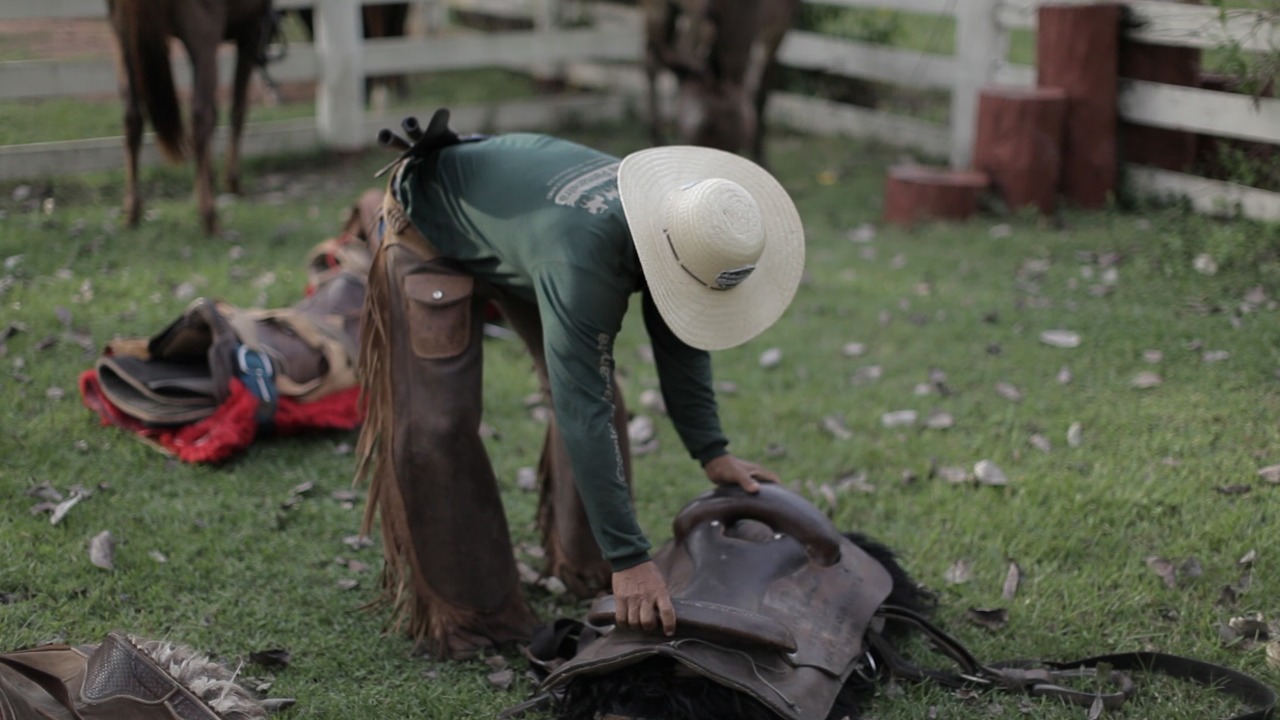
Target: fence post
(981, 48)
(340, 81)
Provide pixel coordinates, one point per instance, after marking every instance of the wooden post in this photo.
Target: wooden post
(982, 46)
(340, 81)
(1077, 49)
(1019, 144)
(1159, 147)
(916, 193)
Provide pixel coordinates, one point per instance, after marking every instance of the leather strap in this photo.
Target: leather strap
(1043, 678)
(50, 684)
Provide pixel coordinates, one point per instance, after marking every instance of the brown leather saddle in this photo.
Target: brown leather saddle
(770, 599)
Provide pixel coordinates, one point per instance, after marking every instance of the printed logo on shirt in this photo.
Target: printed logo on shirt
(589, 186)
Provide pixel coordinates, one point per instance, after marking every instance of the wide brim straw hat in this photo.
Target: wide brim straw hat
(719, 239)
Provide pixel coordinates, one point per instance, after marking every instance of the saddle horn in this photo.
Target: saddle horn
(774, 505)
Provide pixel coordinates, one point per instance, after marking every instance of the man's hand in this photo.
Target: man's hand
(642, 599)
(729, 470)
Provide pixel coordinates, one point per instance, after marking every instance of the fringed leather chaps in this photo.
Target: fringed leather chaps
(450, 574)
(572, 552)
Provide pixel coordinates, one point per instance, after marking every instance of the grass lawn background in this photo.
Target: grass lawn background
(1169, 471)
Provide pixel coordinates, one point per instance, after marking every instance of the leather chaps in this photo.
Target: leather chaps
(450, 573)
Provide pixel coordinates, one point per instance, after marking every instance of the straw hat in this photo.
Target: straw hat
(719, 240)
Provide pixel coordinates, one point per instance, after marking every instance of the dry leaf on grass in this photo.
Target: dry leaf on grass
(102, 550)
(835, 426)
(1270, 474)
(348, 584)
(1040, 443)
(502, 679)
(898, 418)
(989, 618)
(1075, 435)
(864, 375)
(961, 571)
(651, 400)
(1064, 376)
(1145, 380)
(527, 479)
(357, 542)
(853, 349)
(954, 474)
(1012, 580)
(1165, 569)
(1009, 391)
(1152, 356)
(771, 358)
(1214, 356)
(988, 473)
(939, 420)
(1060, 338)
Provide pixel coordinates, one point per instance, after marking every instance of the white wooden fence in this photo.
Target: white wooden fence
(604, 54)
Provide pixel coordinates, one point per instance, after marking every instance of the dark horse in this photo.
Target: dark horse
(143, 29)
(379, 21)
(722, 54)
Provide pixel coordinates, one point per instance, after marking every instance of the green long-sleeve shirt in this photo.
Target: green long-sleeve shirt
(540, 217)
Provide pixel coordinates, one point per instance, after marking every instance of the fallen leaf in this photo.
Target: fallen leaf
(1214, 356)
(1252, 627)
(502, 679)
(1205, 264)
(1008, 391)
(1165, 569)
(1248, 559)
(345, 496)
(855, 481)
(1144, 380)
(527, 479)
(1152, 356)
(853, 349)
(496, 662)
(1273, 653)
(726, 387)
(1012, 579)
(898, 418)
(1238, 489)
(989, 618)
(864, 375)
(1096, 709)
(835, 426)
(102, 550)
(1190, 568)
(348, 584)
(1064, 376)
(1060, 338)
(651, 400)
(271, 659)
(1041, 443)
(1270, 474)
(961, 571)
(1075, 435)
(770, 358)
(357, 542)
(775, 450)
(158, 556)
(61, 510)
(45, 491)
(553, 585)
(988, 473)
(641, 429)
(954, 474)
(939, 420)
(864, 233)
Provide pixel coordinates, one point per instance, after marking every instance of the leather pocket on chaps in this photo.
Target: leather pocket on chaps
(439, 313)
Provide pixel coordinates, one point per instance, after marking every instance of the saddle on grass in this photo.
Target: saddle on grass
(782, 617)
(219, 375)
(123, 678)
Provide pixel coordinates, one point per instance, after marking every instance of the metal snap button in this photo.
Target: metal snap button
(437, 295)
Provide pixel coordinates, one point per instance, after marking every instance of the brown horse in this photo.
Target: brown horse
(722, 53)
(379, 21)
(143, 29)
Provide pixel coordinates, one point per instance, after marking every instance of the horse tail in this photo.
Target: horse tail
(145, 44)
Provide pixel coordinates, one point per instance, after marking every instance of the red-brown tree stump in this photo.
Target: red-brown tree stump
(1159, 147)
(1077, 50)
(916, 193)
(1019, 144)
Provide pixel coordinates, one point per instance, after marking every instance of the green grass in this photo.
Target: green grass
(244, 575)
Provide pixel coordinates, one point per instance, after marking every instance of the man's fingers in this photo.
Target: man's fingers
(668, 614)
(763, 475)
(633, 611)
(648, 618)
(748, 483)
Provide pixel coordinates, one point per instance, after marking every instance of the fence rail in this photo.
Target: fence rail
(605, 54)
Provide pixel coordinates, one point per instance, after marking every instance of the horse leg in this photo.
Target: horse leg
(246, 47)
(133, 126)
(204, 116)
